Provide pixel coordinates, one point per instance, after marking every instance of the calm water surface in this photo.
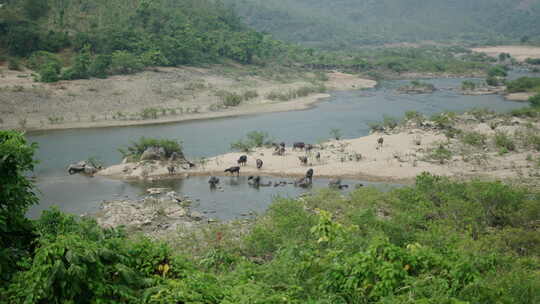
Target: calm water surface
(351, 112)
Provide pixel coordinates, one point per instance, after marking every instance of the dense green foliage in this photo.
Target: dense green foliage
(16, 196)
(439, 241)
(78, 41)
(349, 23)
(379, 62)
(109, 37)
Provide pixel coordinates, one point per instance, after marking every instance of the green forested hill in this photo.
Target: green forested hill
(341, 23)
(95, 38)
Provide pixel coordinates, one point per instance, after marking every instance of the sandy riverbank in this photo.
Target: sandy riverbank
(165, 94)
(519, 52)
(407, 151)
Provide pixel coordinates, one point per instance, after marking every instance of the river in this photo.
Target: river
(349, 111)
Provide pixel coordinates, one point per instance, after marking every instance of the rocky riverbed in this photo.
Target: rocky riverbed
(160, 211)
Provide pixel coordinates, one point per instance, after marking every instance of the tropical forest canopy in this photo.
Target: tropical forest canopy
(102, 37)
(339, 23)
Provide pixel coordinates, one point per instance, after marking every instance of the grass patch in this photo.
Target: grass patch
(473, 138)
(503, 141)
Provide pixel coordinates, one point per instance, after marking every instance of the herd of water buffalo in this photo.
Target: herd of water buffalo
(279, 149)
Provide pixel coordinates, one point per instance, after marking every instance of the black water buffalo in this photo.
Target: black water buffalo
(171, 169)
(213, 181)
(233, 170)
(259, 163)
(302, 182)
(303, 160)
(336, 184)
(299, 145)
(254, 181)
(242, 160)
(380, 142)
(309, 174)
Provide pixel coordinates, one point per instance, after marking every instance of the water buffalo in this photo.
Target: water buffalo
(171, 169)
(259, 163)
(213, 181)
(242, 160)
(299, 145)
(380, 142)
(254, 181)
(336, 184)
(309, 174)
(302, 182)
(233, 170)
(303, 160)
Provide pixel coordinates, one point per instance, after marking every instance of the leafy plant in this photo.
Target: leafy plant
(468, 85)
(232, 99)
(14, 64)
(137, 148)
(17, 194)
(535, 101)
(254, 139)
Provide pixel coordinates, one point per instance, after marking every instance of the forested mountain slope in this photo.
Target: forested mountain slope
(341, 23)
(96, 38)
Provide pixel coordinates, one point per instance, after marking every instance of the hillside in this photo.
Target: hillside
(65, 40)
(335, 24)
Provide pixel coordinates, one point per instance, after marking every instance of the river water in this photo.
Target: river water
(349, 111)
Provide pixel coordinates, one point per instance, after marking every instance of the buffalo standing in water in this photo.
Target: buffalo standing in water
(254, 181)
(305, 181)
(259, 163)
(242, 160)
(213, 181)
(233, 170)
(309, 174)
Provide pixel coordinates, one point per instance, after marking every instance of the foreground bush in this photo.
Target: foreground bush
(438, 241)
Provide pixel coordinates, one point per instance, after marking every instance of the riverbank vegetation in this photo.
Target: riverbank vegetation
(136, 149)
(524, 84)
(438, 241)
